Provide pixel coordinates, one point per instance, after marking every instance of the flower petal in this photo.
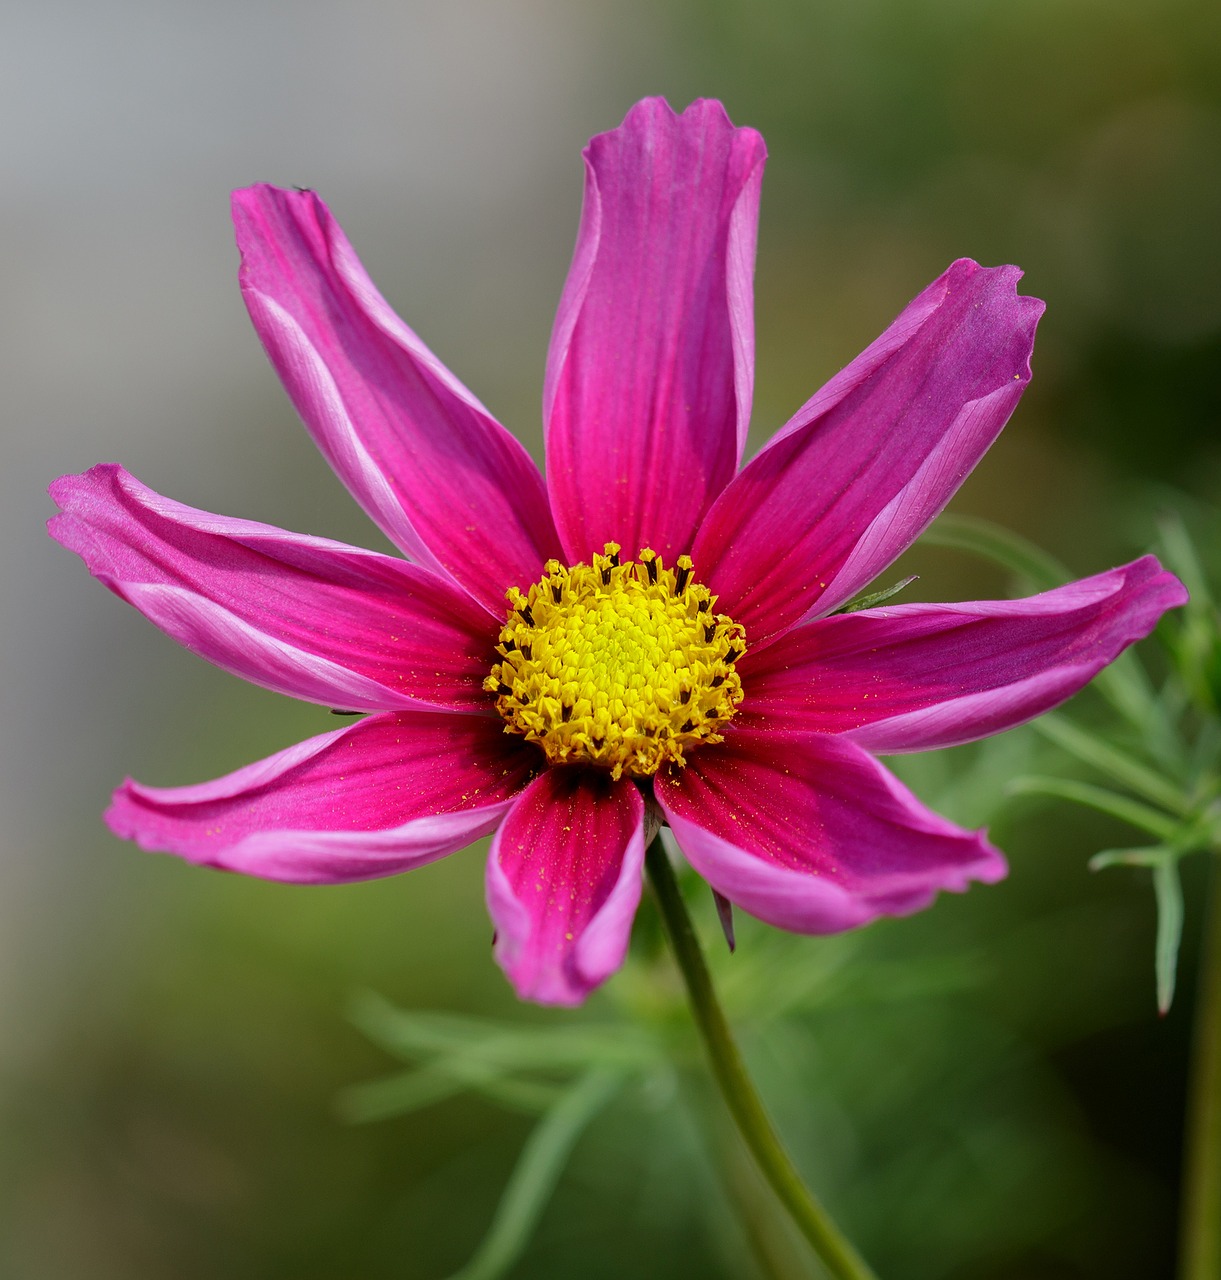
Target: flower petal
(917, 676)
(304, 616)
(651, 366)
(812, 834)
(861, 469)
(564, 881)
(381, 796)
(444, 480)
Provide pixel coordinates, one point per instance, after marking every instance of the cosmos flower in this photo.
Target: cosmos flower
(652, 635)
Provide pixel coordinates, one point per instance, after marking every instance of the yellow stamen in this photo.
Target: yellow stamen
(623, 666)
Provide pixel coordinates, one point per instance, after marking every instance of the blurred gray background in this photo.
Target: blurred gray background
(170, 1039)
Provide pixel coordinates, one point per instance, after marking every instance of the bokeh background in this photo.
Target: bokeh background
(981, 1091)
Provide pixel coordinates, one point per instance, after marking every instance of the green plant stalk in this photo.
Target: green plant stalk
(832, 1247)
(1200, 1238)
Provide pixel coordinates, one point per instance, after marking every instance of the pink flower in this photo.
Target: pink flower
(669, 648)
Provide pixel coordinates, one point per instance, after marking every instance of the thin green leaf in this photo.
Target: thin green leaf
(538, 1170)
(417, 1031)
(1000, 545)
(1182, 558)
(1205, 758)
(1195, 644)
(510, 1046)
(1169, 890)
(1117, 764)
(409, 1091)
(1152, 855)
(1121, 807)
(1126, 687)
(877, 597)
(1161, 735)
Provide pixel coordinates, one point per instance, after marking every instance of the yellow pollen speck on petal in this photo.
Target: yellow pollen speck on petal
(622, 665)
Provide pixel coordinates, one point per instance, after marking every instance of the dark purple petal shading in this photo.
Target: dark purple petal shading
(381, 796)
(810, 833)
(916, 676)
(651, 366)
(861, 469)
(564, 881)
(308, 617)
(443, 479)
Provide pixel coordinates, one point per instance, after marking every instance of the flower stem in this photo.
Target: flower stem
(837, 1254)
(1200, 1240)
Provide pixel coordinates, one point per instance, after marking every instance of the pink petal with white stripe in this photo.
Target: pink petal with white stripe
(564, 881)
(444, 480)
(916, 676)
(811, 834)
(651, 365)
(381, 796)
(865, 465)
(308, 617)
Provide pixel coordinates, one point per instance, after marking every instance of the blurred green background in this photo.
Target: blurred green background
(984, 1090)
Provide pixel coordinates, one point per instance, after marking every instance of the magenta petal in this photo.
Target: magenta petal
(304, 616)
(812, 834)
(859, 472)
(651, 366)
(378, 797)
(444, 480)
(563, 883)
(916, 676)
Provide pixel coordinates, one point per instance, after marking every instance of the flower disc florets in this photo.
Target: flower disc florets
(618, 665)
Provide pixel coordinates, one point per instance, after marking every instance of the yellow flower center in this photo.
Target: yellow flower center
(624, 666)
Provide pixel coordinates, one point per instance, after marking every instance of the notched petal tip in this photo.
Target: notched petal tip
(120, 815)
(650, 367)
(258, 208)
(699, 114)
(996, 289)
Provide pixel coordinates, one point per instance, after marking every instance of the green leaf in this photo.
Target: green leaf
(1169, 890)
(538, 1170)
(1163, 860)
(1117, 764)
(1146, 856)
(1118, 806)
(409, 1091)
(414, 1036)
(1196, 645)
(1181, 557)
(877, 597)
(1126, 687)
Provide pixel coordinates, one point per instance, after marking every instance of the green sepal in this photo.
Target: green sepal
(873, 598)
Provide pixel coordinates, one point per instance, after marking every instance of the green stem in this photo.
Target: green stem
(745, 1105)
(1200, 1240)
